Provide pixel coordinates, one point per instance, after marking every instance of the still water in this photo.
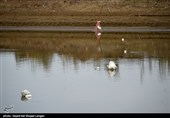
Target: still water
(69, 80)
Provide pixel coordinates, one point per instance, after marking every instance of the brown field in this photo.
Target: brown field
(84, 12)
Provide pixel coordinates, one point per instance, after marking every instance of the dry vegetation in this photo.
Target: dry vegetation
(85, 12)
(84, 45)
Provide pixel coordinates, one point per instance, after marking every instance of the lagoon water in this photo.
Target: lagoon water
(64, 82)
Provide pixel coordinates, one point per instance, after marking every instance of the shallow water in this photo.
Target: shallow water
(64, 81)
(84, 29)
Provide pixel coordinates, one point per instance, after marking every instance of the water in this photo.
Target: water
(84, 29)
(69, 80)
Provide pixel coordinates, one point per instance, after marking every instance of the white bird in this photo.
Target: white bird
(98, 27)
(123, 39)
(111, 66)
(25, 95)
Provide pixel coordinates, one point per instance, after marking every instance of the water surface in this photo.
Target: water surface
(71, 77)
(84, 29)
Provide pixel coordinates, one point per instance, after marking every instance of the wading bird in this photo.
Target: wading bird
(98, 29)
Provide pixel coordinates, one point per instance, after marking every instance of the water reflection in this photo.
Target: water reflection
(98, 35)
(35, 58)
(112, 72)
(146, 66)
(81, 47)
(24, 98)
(76, 77)
(70, 81)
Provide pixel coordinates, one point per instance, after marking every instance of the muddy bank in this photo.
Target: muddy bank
(84, 13)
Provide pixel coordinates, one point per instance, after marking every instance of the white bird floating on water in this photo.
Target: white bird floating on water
(25, 95)
(111, 66)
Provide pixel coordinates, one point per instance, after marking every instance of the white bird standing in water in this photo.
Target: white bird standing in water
(98, 27)
(111, 66)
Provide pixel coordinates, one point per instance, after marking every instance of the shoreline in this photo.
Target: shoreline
(84, 29)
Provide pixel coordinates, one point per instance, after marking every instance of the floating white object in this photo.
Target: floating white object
(125, 51)
(25, 92)
(123, 39)
(25, 95)
(111, 66)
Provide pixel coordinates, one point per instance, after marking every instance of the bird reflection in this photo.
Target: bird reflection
(112, 72)
(99, 48)
(114, 75)
(24, 98)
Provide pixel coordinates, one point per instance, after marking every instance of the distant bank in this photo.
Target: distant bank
(151, 13)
